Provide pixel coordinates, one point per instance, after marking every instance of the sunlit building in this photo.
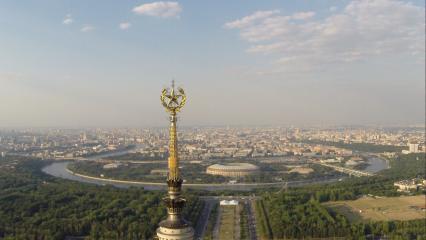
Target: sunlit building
(413, 147)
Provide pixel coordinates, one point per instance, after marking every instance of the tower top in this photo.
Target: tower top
(173, 100)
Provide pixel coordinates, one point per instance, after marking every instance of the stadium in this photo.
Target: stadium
(232, 169)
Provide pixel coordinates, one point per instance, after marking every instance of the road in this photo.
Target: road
(201, 225)
(251, 220)
(217, 224)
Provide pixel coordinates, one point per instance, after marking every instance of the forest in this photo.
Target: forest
(36, 206)
(298, 213)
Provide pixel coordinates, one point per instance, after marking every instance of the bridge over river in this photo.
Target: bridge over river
(351, 172)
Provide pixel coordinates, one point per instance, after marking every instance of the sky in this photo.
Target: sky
(80, 63)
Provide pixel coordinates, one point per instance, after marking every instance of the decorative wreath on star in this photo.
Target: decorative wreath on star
(172, 101)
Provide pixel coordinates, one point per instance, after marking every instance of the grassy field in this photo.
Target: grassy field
(227, 222)
(381, 209)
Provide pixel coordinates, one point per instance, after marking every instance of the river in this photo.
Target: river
(59, 169)
(376, 164)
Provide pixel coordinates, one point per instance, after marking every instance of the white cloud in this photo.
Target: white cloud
(68, 19)
(333, 9)
(248, 20)
(87, 28)
(159, 9)
(303, 15)
(125, 25)
(361, 30)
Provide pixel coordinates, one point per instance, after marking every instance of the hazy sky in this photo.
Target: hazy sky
(104, 63)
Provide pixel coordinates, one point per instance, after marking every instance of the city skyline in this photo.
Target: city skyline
(86, 64)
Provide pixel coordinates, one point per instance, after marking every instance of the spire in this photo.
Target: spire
(175, 226)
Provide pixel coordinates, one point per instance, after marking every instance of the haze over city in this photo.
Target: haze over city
(103, 63)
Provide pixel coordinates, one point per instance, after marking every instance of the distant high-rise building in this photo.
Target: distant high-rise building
(413, 147)
(83, 137)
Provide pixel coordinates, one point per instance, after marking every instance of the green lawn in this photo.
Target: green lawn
(381, 209)
(227, 222)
